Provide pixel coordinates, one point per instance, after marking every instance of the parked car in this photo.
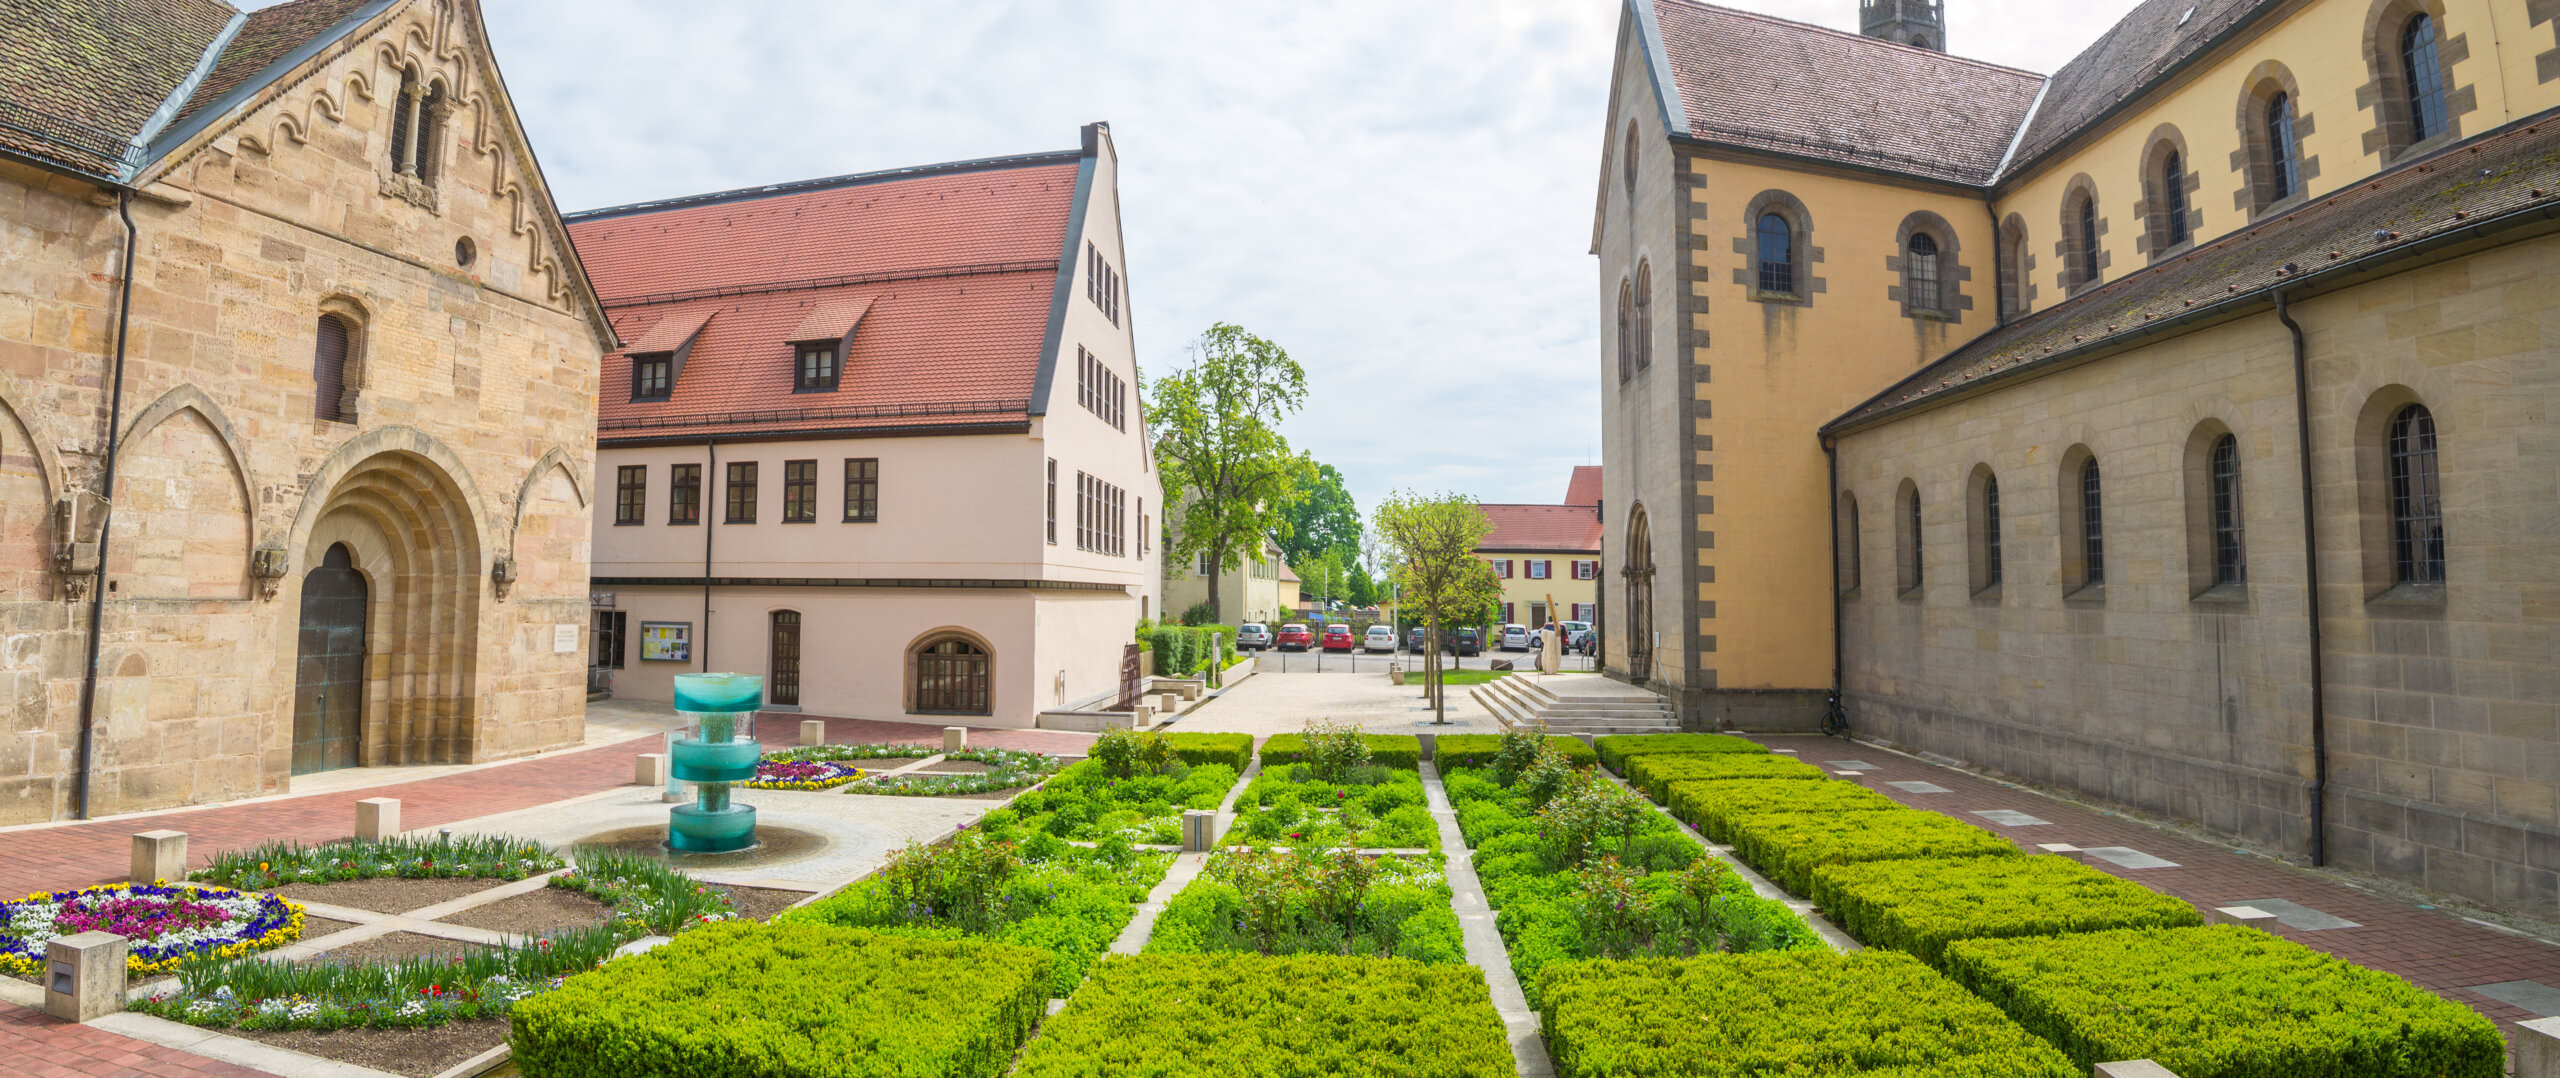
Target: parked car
(1578, 636)
(1518, 638)
(1252, 636)
(1337, 637)
(1379, 638)
(1295, 638)
(1413, 640)
(1461, 641)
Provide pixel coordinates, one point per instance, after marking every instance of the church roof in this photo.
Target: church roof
(2155, 38)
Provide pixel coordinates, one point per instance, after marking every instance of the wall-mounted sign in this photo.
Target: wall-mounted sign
(564, 639)
(666, 641)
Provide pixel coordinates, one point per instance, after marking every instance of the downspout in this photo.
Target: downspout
(710, 471)
(2311, 589)
(1831, 461)
(106, 519)
(2000, 303)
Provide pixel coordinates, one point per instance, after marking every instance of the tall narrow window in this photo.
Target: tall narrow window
(684, 494)
(651, 377)
(1918, 563)
(430, 129)
(1644, 315)
(2173, 199)
(403, 112)
(2093, 532)
(799, 492)
(1990, 533)
(784, 687)
(2088, 252)
(2417, 511)
(1626, 330)
(862, 490)
(1777, 254)
(1053, 501)
(817, 369)
(2283, 173)
(631, 494)
(329, 370)
(742, 492)
(2425, 77)
(1920, 273)
(2230, 560)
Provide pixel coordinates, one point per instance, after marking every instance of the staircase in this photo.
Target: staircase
(1569, 704)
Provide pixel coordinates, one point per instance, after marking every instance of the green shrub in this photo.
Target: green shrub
(1233, 750)
(1288, 806)
(2225, 1002)
(789, 1001)
(1479, 750)
(1921, 906)
(1299, 902)
(1070, 901)
(1877, 1013)
(1240, 1015)
(1087, 803)
(1788, 846)
(1707, 805)
(1655, 773)
(1615, 748)
(1385, 750)
(1132, 753)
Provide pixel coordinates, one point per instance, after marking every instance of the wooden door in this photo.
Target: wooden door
(328, 697)
(782, 686)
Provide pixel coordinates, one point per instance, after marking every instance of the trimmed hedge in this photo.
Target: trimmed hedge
(1385, 750)
(1070, 903)
(1233, 750)
(1287, 806)
(1708, 805)
(1788, 846)
(1220, 1015)
(2226, 1002)
(1653, 775)
(1876, 1013)
(789, 1001)
(1478, 750)
(1922, 906)
(1615, 748)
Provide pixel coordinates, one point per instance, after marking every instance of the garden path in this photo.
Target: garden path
(1267, 704)
(1483, 940)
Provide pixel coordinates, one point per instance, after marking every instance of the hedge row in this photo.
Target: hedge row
(2225, 1002)
(1615, 748)
(1790, 1012)
(1653, 774)
(1707, 806)
(1922, 906)
(1385, 750)
(789, 1001)
(1069, 901)
(1219, 1015)
(1233, 750)
(1788, 846)
(1478, 750)
(1183, 650)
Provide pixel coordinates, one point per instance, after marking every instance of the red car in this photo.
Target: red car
(1338, 638)
(1294, 638)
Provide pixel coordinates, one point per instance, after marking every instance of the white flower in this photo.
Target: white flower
(223, 992)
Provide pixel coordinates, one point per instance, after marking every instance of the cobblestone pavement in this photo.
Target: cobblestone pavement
(1267, 704)
(2453, 956)
(39, 1046)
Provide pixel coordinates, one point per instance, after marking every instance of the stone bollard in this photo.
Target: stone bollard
(1199, 830)
(377, 818)
(159, 855)
(2537, 1048)
(84, 976)
(649, 769)
(1190, 690)
(2251, 916)
(955, 738)
(813, 731)
(1141, 716)
(1169, 703)
(2137, 1068)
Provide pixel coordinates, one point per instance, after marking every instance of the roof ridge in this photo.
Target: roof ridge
(1762, 17)
(825, 183)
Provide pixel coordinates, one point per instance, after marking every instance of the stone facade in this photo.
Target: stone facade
(455, 474)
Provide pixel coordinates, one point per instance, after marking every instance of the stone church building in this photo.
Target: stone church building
(2181, 422)
(297, 403)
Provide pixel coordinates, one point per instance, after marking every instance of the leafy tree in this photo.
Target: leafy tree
(1323, 519)
(1362, 589)
(1437, 571)
(1219, 449)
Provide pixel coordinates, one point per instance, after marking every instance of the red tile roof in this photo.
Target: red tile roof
(1541, 529)
(1584, 488)
(944, 274)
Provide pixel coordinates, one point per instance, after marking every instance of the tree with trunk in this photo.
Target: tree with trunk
(1323, 519)
(1225, 468)
(1437, 572)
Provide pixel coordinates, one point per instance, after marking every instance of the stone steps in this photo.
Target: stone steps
(1520, 701)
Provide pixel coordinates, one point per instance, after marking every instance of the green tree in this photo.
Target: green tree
(1361, 590)
(1219, 450)
(1323, 519)
(1437, 573)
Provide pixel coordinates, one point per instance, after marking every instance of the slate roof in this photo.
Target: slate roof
(1584, 487)
(1541, 529)
(264, 38)
(2508, 178)
(2153, 38)
(950, 270)
(1765, 83)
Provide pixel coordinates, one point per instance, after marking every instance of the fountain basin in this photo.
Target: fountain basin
(696, 760)
(701, 829)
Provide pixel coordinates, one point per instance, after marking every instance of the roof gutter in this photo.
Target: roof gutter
(165, 135)
(138, 152)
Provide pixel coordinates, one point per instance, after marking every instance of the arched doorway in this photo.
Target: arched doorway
(1638, 575)
(328, 690)
(953, 675)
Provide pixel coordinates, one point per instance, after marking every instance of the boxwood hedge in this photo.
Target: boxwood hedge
(1654, 774)
(1708, 805)
(1788, 846)
(1615, 748)
(1788, 1012)
(1233, 750)
(1385, 750)
(1478, 750)
(1920, 906)
(789, 1001)
(1301, 1016)
(2225, 1002)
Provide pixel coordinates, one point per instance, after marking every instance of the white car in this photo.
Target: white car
(1517, 638)
(1379, 638)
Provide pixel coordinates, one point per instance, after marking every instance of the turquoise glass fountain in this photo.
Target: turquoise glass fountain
(722, 751)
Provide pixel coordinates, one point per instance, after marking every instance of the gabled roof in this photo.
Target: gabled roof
(1541, 529)
(1584, 487)
(2156, 37)
(944, 275)
(266, 36)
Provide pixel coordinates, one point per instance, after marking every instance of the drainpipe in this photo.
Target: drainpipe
(1999, 261)
(106, 520)
(710, 472)
(2311, 588)
(1831, 461)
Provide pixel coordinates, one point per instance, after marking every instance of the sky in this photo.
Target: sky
(1397, 192)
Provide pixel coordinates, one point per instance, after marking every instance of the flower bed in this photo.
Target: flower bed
(2225, 1002)
(836, 753)
(164, 924)
(1653, 774)
(647, 897)
(1255, 1016)
(1615, 748)
(1006, 769)
(1296, 902)
(410, 993)
(772, 774)
(1808, 1013)
(1788, 846)
(1088, 802)
(1290, 806)
(1709, 805)
(1921, 906)
(275, 864)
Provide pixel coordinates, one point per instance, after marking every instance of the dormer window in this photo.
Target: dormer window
(817, 369)
(652, 377)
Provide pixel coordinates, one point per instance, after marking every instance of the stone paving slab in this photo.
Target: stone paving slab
(1916, 787)
(2128, 857)
(2296, 915)
(2534, 996)
(2012, 818)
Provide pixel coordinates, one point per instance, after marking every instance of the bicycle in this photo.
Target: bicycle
(1835, 718)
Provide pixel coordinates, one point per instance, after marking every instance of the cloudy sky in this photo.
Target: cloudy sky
(1398, 192)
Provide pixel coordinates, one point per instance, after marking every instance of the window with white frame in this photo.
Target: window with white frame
(1101, 391)
(1101, 516)
(1539, 568)
(1102, 283)
(1585, 570)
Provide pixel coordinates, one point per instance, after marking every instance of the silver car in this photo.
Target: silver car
(1517, 638)
(1379, 638)
(1251, 636)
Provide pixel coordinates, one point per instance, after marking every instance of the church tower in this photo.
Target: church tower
(1909, 22)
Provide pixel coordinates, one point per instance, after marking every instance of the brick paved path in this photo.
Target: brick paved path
(37, 1046)
(2442, 952)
